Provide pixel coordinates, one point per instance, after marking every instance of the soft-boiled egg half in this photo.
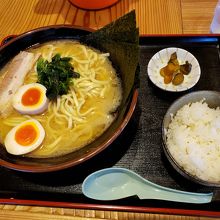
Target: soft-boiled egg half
(24, 137)
(30, 99)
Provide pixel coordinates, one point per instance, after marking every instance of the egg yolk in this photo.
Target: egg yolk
(31, 97)
(26, 135)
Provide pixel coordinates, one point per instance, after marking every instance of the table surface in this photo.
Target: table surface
(153, 17)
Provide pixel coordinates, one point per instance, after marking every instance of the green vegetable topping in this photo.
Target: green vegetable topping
(56, 75)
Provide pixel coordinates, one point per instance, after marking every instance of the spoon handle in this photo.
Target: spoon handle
(164, 193)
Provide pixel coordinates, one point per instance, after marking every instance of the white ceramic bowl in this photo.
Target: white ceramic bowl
(161, 58)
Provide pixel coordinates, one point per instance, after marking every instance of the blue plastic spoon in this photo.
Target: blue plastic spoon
(118, 183)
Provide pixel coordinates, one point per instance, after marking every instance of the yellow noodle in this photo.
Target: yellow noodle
(52, 145)
(30, 78)
(105, 55)
(80, 61)
(13, 121)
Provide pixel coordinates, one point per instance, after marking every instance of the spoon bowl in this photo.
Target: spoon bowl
(118, 183)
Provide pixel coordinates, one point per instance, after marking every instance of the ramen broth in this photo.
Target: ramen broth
(75, 119)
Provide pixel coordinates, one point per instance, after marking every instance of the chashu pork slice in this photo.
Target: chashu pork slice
(14, 78)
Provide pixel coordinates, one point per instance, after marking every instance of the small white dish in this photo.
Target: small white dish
(161, 58)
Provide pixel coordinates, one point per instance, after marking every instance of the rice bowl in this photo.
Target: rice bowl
(191, 135)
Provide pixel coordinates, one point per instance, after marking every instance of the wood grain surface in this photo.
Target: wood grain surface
(153, 17)
(197, 15)
(13, 212)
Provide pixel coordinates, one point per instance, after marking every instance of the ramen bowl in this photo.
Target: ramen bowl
(125, 111)
(184, 148)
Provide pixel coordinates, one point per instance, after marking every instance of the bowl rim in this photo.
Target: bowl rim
(15, 37)
(169, 156)
(63, 165)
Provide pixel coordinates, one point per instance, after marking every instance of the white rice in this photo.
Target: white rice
(193, 139)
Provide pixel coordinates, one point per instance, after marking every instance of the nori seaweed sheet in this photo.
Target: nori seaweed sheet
(121, 30)
(121, 39)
